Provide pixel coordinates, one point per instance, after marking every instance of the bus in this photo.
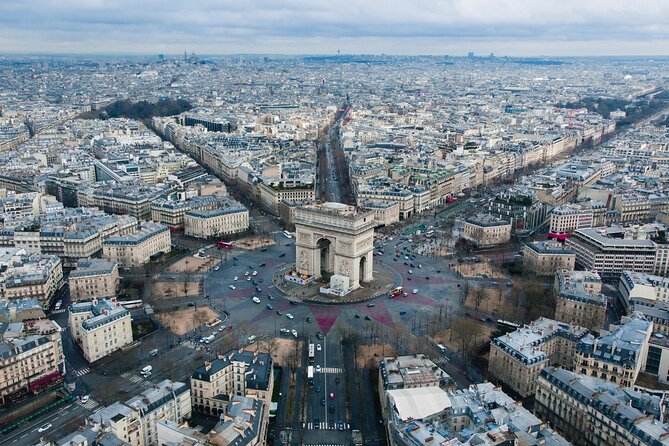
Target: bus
(130, 304)
(311, 353)
(397, 291)
(287, 234)
(310, 375)
(226, 245)
(506, 326)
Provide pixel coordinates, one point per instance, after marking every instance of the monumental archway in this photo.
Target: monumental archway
(336, 239)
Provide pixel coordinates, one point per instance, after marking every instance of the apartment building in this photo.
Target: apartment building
(237, 372)
(565, 219)
(231, 219)
(517, 358)
(522, 208)
(616, 355)
(136, 420)
(590, 411)
(546, 257)
(93, 278)
(171, 211)
(137, 248)
(409, 372)
(579, 299)
(271, 195)
(100, 327)
(486, 230)
(612, 250)
(29, 276)
(386, 213)
(31, 359)
(642, 288)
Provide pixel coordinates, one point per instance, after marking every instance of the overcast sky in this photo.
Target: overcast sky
(505, 27)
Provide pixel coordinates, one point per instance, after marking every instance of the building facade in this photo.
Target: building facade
(579, 299)
(93, 278)
(136, 249)
(485, 230)
(545, 258)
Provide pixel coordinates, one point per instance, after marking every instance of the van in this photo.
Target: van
(441, 347)
(154, 352)
(146, 370)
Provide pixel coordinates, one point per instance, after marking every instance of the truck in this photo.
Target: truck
(146, 370)
(207, 339)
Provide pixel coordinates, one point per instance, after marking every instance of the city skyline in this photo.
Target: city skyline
(513, 28)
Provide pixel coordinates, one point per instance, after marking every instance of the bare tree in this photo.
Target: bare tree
(465, 291)
(480, 295)
(293, 359)
(465, 332)
(199, 318)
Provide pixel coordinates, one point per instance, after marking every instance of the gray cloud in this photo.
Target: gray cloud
(320, 26)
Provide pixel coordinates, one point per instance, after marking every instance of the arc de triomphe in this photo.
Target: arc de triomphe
(334, 238)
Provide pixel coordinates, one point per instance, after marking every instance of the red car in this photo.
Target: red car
(331, 395)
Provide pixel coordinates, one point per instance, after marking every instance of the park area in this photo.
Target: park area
(464, 334)
(369, 356)
(179, 288)
(192, 265)
(482, 270)
(251, 243)
(181, 322)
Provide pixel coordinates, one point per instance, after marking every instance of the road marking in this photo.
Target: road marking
(331, 370)
(84, 371)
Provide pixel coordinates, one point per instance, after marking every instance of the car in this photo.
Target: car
(410, 271)
(292, 302)
(438, 271)
(270, 297)
(317, 423)
(357, 316)
(85, 398)
(232, 287)
(406, 263)
(370, 305)
(331, 408)
(309, 320)
(318, 347)
(340, 425)
(264, 249)
(405, 294)
(318, 368)
(191, 304)
(322, 401)
(255, 273)
(331, 395)
(246, 273)
(226, 312)
(420, 266)
(262, 264)
(368, 318)
(279, 312)
(337, 380)
(48, 426)
(317, 387)
(294, 333)
(284, 330)
(236, 258)
(283, 254)
(290, 316)
(412, 265)
(427, 277)
(217, 268)
(248, 279)
(270, 307)
(255, 299)
(235, 278)
(406, 258)
(409, 278)
(415, 290)
(402, 313)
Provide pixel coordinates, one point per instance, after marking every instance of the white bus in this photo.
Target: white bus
(310, 374)
(287, 234)
(311, 353)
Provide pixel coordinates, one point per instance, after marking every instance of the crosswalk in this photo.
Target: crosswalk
(323, 425)
(133, 377)
(84, 371)
(62, 310)
(331, 370)
(91, 404)
(440, 361)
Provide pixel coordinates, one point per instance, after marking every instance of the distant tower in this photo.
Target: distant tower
(185, 56)
(338, 53)
(470, 55)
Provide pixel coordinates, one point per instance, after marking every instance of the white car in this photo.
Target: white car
(255, 273)
(232, 287)
(217, 268)
(290, 316)
(318, 347)
(246, 273)
(318, 368)
(248, 278)
(46, 427)
(235, 278)
(294, 333)
(255, 299)
(420, 266)
(284, 330)
(415, 290)
(410, 271)
(85, 398)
